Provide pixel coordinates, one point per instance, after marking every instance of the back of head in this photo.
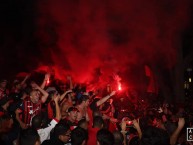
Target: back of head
(5, 123)
(83, 124)
(155, 136)
(37, 121)
(134, 141)
(105, 137)
(59, 129)
(29, 137)
(79, 136)
(118, 138)
(98, 122)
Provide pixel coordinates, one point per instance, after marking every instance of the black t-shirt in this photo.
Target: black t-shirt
(93, 105)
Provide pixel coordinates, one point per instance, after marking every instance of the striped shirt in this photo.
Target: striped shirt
(30, 110)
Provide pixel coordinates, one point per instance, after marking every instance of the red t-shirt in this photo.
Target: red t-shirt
(92, 133)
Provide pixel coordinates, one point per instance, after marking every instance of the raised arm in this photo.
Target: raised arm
(58, 113)
(64, 94)
(24, 80)
(137, 127)
(70, 81)
(45, 94)
(123, 131)
(101, 101)
(46, 78)
(176, 133)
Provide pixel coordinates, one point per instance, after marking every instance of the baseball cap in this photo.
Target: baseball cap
(72, 109)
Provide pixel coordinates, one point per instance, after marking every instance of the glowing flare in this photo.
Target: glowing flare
(119, 86)
(47, 82)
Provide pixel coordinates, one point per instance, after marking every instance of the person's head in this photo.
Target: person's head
(29, 137)
(154, 136)
(157, 120)
(79, 136)
(118, 138)
(61, 132)
(83, 124)
(110, 101)
(64, 108)
(98, 122)
(84, 100)
(6, 123)
(34, 96)
(17, 85)
(105, 137)
(3, 84)
(51, 91)
(70, 95)
(37, 121)
(134, 141)
(72, 113)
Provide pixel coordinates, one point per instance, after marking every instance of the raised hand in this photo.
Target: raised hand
(47, 76)
(112, 93)
(56, 97)
(68, 77)
(181, 122)
(123, 125)
(136, 123)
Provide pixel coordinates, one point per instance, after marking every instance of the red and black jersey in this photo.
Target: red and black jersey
(30, 109)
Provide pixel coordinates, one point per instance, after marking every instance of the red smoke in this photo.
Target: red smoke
(92, 40)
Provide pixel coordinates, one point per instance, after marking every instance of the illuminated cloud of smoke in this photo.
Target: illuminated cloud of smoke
(92, 40)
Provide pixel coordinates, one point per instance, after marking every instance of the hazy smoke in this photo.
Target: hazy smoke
(92, 39)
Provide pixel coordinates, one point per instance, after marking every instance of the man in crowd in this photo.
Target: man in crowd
(32, 105)
(79, 136)
(71, 120)
(60, 135)
(98, 123)
(37, 122)
(105, 137)
(29, 136)
(82, 107)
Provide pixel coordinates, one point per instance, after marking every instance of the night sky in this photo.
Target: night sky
(94, 39)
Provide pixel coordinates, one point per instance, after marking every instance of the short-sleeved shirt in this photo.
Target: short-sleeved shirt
(30, 109)
(92, 140)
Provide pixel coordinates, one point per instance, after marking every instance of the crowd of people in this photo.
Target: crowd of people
(66, 113)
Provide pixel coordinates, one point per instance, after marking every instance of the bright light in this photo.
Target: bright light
(118, 80)
(119, 86)
(48, 81)
(190, 80)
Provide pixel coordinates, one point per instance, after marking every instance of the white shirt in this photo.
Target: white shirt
(44, 133)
